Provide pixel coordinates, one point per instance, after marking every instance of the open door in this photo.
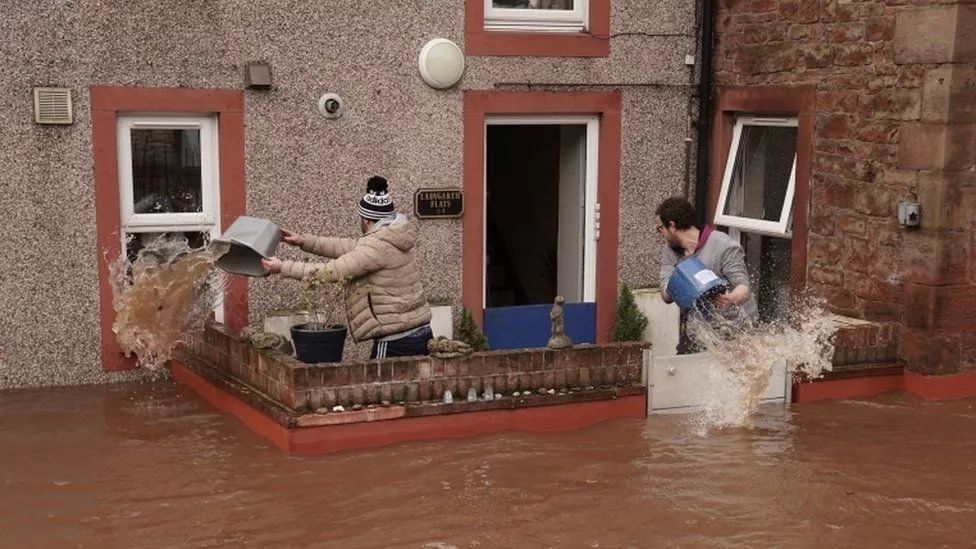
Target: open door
(540, 228)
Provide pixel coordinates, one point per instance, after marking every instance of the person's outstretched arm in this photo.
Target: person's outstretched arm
(324, 246)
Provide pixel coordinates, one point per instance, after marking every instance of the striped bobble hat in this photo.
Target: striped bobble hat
(377, 203)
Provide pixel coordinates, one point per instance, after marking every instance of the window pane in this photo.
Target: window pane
(138, 241)
(166, 171)
(534, 4)
(769, 262)
(761, 173)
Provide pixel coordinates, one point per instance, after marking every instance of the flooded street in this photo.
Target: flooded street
(151, 465)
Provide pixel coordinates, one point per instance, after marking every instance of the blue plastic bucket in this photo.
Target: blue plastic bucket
(692, 281)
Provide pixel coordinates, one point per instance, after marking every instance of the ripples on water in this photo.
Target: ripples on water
(152, 466)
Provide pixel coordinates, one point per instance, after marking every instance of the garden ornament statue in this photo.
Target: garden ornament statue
(559, 339)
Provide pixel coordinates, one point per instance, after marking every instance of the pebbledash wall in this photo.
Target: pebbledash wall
(889, 91)
(301, 170)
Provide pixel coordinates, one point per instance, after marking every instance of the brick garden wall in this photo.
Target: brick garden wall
(290, 391)
(589, 372)
(895, 117)
(859, 344)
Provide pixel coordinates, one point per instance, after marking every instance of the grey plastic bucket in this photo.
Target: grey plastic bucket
(249, 239)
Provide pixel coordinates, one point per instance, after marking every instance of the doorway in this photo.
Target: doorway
(541, 227)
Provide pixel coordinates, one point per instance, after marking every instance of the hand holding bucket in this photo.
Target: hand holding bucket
(273, 264)
(692, 281)
(247, 241)
(294, 239)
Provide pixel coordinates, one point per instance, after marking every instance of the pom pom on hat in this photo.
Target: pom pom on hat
(377, 185)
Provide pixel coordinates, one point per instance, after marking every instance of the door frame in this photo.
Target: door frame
(606, 107)
(590, 224)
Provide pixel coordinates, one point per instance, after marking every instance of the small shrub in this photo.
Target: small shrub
(469, 332)
(630, 323)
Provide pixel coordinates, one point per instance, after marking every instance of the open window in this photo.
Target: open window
(536, 15)
(756, 204)
(760, 177)
(167, 180)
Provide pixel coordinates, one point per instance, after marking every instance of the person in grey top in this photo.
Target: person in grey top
(717, 250)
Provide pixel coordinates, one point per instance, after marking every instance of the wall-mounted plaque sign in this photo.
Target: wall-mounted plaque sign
(438, 203)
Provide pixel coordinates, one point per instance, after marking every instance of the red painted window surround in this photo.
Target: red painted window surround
(107, 103)
(593, 43)
(797, 101)
(607, 105)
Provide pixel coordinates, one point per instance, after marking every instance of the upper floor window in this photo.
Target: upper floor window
(536, 15)
(760, 176)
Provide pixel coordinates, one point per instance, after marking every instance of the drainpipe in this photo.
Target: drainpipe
(704, 109)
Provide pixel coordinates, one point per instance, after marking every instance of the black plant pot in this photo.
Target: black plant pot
(316, 342)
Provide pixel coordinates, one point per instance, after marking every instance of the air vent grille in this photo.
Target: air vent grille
(52, 106)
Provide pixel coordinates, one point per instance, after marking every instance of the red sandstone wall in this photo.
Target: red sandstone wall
(895, 114)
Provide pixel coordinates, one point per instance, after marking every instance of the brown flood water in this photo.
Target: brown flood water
(153, 466)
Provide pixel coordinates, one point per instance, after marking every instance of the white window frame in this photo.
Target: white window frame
(591, 227)
(204, 221)
(537, 20)
(781, 228)
(162, 222)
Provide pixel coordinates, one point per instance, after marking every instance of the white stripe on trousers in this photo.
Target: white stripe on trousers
(381, 349)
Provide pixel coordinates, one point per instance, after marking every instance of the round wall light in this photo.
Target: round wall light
(441, 63)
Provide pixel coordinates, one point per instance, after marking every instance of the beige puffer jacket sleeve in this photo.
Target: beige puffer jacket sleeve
(300, 270)
(327, 246)
(366, 256)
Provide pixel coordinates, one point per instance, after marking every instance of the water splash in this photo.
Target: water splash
(745, 357)
(166, 292)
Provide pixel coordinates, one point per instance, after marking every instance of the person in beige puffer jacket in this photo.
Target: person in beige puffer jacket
(385, 299)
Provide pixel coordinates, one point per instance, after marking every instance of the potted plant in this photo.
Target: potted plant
(321, 339)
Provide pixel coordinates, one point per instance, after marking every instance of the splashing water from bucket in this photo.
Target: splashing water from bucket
(745, 356)
(165, 293)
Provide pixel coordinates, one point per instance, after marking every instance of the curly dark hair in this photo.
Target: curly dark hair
(677, 210)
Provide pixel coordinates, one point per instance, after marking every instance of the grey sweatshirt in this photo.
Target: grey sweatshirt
(721, 254)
